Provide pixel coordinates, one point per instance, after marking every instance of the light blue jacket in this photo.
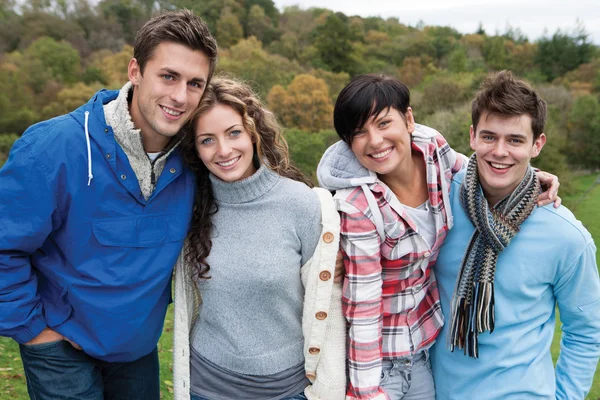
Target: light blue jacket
(89, 258)
(550, 261)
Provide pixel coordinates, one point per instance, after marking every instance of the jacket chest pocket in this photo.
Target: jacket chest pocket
(140, 231)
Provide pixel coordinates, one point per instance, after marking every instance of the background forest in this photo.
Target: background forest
(55, 54)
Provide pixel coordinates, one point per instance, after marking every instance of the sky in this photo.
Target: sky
(535, 18)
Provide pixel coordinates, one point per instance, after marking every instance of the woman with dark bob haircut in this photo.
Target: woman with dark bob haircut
(392, 178)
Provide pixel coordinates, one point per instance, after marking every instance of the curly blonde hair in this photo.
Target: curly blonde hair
(270, 148)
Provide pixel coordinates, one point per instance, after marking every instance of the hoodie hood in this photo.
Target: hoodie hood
(340, 169)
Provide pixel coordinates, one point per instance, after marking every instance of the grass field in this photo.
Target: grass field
(584, 202)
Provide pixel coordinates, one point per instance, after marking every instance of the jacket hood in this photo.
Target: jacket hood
(94, 107)
(339, 168)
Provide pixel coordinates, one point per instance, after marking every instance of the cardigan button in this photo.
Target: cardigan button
(321, 315)
(427, 254)
(325, 275)
(328, 237)
(314, 350)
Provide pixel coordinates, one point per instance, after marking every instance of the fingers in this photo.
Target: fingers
(338, 275)
(557, 202)
(78, 347)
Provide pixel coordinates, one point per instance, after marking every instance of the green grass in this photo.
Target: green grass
(12, 380)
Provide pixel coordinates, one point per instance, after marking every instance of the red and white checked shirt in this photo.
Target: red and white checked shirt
(390, 295)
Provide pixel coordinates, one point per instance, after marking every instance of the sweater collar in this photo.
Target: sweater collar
(246, 190)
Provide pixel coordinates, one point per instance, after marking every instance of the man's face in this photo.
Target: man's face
(504, 148)
(168, 91)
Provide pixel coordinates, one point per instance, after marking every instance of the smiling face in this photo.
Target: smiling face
(224, 145)
(167, 92)
(504, 148)
(382, 145)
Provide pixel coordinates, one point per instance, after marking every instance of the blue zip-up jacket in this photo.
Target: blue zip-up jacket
(89, 258)
(551, 261)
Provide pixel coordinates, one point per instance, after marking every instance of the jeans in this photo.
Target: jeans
(299, 396)
(408, 378)
(58, 371)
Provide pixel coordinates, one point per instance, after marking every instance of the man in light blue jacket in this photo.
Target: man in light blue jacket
(94, 208)
(506, 264)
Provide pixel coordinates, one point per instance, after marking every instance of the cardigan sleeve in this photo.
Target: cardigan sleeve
(323, 324)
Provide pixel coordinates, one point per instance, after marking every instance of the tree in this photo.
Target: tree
(249, 61)
(47, 59)
(16, 100)
(563, 52)
(584, 132)
(229, 30)
(305, 104)
(306, 148)
(260, 25)
(68, 99)
(112, 67)
(333, 40)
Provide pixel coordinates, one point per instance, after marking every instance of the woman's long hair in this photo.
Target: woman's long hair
(270, 149)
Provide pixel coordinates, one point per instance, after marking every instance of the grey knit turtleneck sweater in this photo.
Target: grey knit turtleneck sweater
(267, 226)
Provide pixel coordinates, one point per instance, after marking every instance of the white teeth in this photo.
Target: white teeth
(382, 154)
(228, 163)
(499, 166)
(171, 112)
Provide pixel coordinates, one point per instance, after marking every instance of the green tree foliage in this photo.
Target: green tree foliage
(16, 100)
(453, 125)
(306, 148)
(333, 41)
(55, 53)
(49, 59)
(260, 25)
(6, 142)
(129, 14)
(563, 52)
(11, 26)
(584, 132)
(445, 92)
(229, 30)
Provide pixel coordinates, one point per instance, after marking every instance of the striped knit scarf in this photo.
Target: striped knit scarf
(473, 300)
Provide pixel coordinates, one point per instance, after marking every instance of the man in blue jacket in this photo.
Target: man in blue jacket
(94, 208)
(507, 263)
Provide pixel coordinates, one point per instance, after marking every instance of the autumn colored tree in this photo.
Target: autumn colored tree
(68, 99)
(305, 104)
(249, 61)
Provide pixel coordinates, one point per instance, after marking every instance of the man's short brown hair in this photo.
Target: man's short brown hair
(180, 27)
(503, 95)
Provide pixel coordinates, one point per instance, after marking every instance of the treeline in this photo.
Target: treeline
(54, 54)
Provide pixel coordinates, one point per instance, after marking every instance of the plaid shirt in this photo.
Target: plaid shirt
(390, 294)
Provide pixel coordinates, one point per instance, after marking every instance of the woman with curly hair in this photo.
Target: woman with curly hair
(257, 314)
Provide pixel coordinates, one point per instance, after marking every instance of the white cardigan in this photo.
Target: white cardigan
(323, 323)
